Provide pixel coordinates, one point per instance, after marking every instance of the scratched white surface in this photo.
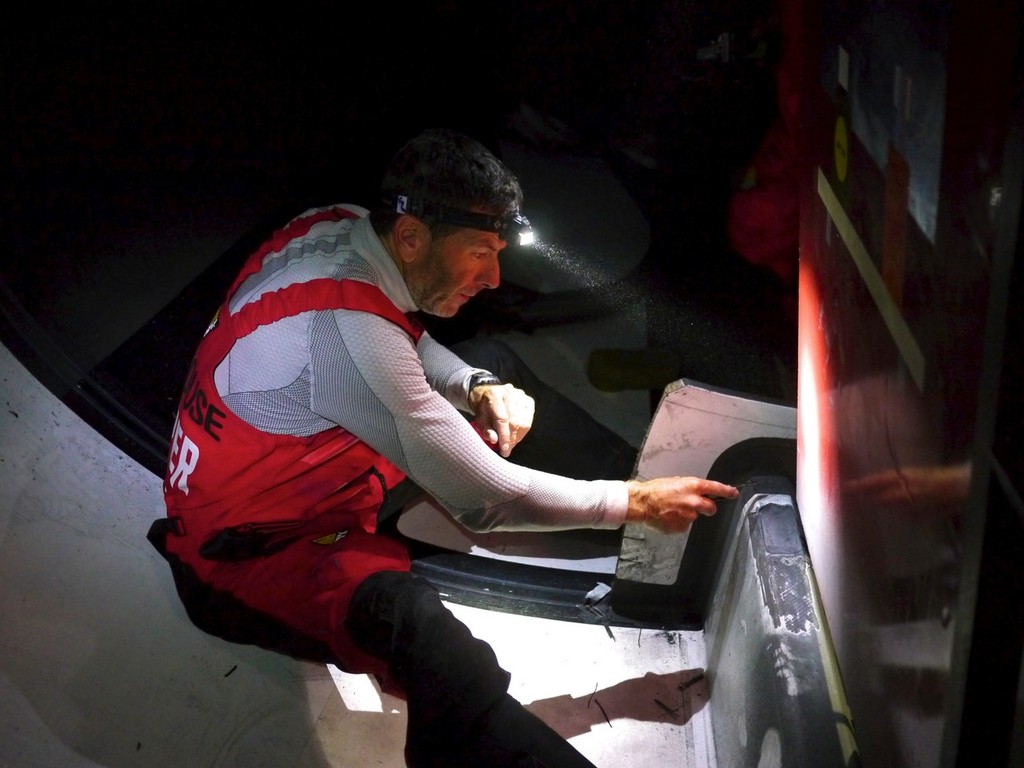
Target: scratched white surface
(692, 426)
(100, 667)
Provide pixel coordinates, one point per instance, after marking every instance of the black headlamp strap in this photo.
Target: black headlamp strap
(501, 225)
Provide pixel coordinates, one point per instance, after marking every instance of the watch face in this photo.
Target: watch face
(480, 379)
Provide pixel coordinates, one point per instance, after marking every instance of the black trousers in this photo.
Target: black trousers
(459, 710)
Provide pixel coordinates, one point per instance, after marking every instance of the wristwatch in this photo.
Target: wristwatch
(482, 379)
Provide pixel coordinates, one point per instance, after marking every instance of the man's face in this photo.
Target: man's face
(453, 270)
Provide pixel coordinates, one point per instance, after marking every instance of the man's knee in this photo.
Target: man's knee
(400, 618)
(371, 614)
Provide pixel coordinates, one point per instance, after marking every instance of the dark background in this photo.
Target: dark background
(122, 117)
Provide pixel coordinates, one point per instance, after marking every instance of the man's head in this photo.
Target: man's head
(446, 203)
(442, 171)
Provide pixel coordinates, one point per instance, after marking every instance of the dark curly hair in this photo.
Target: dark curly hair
(445, 168)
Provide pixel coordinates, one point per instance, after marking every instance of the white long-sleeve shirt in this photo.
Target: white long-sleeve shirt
(310, 372)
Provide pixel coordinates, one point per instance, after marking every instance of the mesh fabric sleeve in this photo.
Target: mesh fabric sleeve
(367, 375)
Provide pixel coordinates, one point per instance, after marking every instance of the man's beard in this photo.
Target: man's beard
(433, 286)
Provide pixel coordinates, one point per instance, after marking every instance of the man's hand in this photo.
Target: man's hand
(671, 504)
(503, 414)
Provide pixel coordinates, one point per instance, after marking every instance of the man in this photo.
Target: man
(314, 393)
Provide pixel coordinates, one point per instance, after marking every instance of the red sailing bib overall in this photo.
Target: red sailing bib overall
(278, 526)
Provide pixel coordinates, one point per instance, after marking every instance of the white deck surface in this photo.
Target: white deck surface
(100, 667)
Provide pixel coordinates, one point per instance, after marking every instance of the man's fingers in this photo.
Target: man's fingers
(512, 417)
(504, 437)
(716, 490)
(706, 506)
(504, 415)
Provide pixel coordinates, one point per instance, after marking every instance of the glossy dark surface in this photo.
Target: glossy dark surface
(911, 195)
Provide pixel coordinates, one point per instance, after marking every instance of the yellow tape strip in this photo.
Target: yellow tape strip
(891, 315)
(833, 677)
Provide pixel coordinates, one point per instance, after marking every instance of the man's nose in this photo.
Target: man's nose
(490, 273)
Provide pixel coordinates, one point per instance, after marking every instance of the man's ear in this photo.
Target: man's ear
(412, 237)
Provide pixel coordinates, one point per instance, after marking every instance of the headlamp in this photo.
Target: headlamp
(510, 227)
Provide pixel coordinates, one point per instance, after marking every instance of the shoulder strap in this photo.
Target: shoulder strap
(297, 227)
(317, 295)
